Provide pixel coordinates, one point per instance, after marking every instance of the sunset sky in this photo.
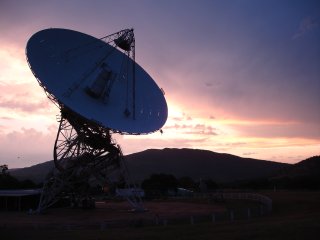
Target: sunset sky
(240, 77)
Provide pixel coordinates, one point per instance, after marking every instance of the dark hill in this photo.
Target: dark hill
(179, 162)
(36, 173)
(199, 164)
(310, 166)
(302, 175)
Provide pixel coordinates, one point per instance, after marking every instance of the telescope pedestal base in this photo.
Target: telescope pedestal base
(85, 156)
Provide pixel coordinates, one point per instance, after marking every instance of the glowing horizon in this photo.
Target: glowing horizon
(235, 82)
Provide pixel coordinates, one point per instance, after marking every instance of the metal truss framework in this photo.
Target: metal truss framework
(84, 154)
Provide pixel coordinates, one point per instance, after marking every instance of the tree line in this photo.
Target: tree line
(159, 185)
(9, 182)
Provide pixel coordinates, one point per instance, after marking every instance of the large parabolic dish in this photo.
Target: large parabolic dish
(86, 75)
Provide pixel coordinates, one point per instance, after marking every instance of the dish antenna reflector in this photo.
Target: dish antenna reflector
(98, 79)
(100, 90)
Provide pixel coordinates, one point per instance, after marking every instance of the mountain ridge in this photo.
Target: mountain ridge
(199, 163)
(195, 163)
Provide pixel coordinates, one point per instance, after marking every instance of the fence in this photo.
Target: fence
(264, 200)
(265, 207)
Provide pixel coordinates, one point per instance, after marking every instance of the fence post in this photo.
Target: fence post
(165, 222)
(191, 220)
(261, 210)
(213, 217)
(156, 219)
(231, 216)
(102, 226)
(35, 226)
(249, 213)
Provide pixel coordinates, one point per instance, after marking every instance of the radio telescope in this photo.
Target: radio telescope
(100, 90)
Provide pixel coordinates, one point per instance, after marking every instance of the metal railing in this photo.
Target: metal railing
(264, 200)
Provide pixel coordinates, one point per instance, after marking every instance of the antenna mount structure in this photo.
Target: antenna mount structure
(93, 83)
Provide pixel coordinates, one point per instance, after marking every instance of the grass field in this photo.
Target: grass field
(296, 215)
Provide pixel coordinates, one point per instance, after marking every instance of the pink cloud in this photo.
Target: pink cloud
(26, 147)
(136, 144)
(281, 130)
(20, 97)
(24, 106)
(198, 129)
(248, 153)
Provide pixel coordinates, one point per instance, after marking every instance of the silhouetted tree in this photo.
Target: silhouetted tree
(8, 182)
(211, 185)
(208, 184)
(27, 184)
(3, 169)
(187, 183)
(159, 185)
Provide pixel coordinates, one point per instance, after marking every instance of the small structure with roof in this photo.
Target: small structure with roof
(19, 199)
